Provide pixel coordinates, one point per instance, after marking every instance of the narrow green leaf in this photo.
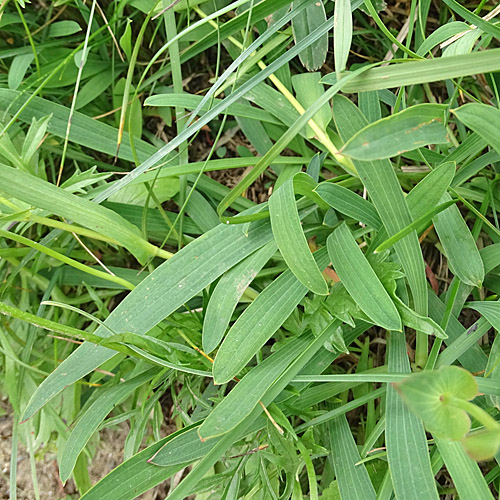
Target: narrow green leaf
(417, 72)
(166, 289)
(482, 119)
(262, 317)
(41, 194)
(228, 292)
(89, 422)
(314, 56)
(342, 34)
(18, 68)
(354, 481)
(84, 130)
(349, 203)
(64, 28)
(427, 193)
(360, 280)
(247, 393)
(385, 191)
(190, 102)
(126, 39)
(409, 129)
(292, 243)
(405, 436)
(466, 474)
(418, 322)
(459, 245)
(441, 34)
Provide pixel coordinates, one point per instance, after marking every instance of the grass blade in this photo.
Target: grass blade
(459, 245)
(482, 119)
(342, 34)
(42, 194)
(466, 474)
(353, 479)
(417, 72)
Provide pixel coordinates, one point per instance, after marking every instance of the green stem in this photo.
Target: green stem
(66, 260)
(475, 411)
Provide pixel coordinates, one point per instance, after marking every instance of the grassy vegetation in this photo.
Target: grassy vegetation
(271, 226)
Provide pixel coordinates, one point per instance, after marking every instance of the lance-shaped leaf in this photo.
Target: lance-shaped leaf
(409, 129)
(291, 241)
(262, 318)
(349, 203)
(360, 280)
(313, 56)
(459, 245)
(228, 292)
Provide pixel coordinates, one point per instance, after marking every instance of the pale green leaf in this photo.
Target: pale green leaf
(342, 34)
(409, 129)
(459, 245)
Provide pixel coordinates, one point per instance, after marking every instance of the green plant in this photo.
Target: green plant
(265, 319)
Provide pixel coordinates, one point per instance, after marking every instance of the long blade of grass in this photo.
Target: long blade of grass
(482, 119)
(354, 481)
(417, 72)
(409, 129)
(459, 245)
(349, 203)
(466, 474)
(42, 194)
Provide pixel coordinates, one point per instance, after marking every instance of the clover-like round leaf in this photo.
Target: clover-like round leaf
(482, 445)
(430, 395)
